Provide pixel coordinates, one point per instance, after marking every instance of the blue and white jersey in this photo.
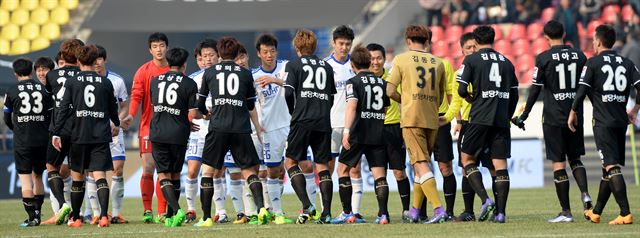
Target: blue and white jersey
(342, 72)
(119, 88)
(204, 124)
(272, 105)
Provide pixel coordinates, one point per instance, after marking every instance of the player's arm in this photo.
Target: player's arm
(633, 114)
(290, 87)
(464, 79)
(251, 105)
(137, 92)
(113, 105)
(123, 103)
(264, 81)
(534, 90)
(331, 84)
(8, 111)
(394, 79)
(450, 78)
(349, 114)
(444, 89)
(456, 104)
(513, 93)
(203, 94)
(194, 113)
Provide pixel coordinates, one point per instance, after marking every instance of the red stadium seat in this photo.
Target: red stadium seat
(455, 50)
(547, 14)
(440, 49)
(436, 33)
(539, 45)
(498, 31)
(610, 16)
(591, 27)
(582, 33)
(453, 33)
(470, 28)
(520, 47)
(534, 30)
(627, 13)
(502, 46)
(524, 63)
(517, 31)
(588, 54)
(526, 77)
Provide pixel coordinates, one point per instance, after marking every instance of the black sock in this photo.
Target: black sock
(502, 189)
(299, 185)
(468, 195)
(103, 196)
(619, 190)
(326, 190)
(404, 189)
(77, 196)
(382, 195)
(345, 190)
(449, 188)
(475, 180)
(604, 192)
(580, 175)
(29, 207)
(56, 186)
(176, 191)
(39, 202)
(169, 194)
(423, 208)
(493, 188)
(206, 195)
(256, 190)
(561, 180)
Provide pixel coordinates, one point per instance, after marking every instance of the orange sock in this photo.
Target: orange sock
(162, 203)
(146, 188)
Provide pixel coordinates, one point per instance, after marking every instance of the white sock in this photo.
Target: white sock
(67, 190)
(117, 193)
(88, 210)
(224, 188)
(235, 191)
(247, 198)
(92, 195)
(311, 188)
(191, 190)
(273, 188)
(218, 197)
(356, 196)
(55, 206)
(265, 194)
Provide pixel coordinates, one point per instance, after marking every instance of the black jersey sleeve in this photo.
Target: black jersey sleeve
(331, 83)
(290, 86)
(8, 110)
(513, 94)
(386, 101)
(192, 91)
(65, 107)
(113, 104)
(204, 92)
(251, 92)
(351, 92)
(464, 77)
(586, 78)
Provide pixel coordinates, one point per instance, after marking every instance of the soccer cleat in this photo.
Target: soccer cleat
(359, 218)
(147, 217)
(344, 218)
(264, 216)
(29, 223)
(168, 222)
(50, 221)
(281, 219)
(306, 215)
(62, 213)
(222, 218)
(622, 220)
(104, 222)
(382, 220)
(241, 219)
(77, 223)
(500, 218)
(449, 217)
(564, 216)
(414, 215)
(487, 208)
(466, 216)
(215, 218)
(253, 220)
(590, 216)
(204, 223)
(439, 215)
(87, 218)
(191, 216)
(406, 217)
(178, 218)
(119, 219)
(94, 220)
(324, 220)
(586, 201)
(160, 218)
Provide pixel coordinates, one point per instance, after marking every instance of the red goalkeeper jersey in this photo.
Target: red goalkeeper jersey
(140, 94)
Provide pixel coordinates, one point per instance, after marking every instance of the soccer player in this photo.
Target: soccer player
(26, 113)
(233, 96)
(341, 64)
(557, 71)
(59, 60)
(41, 67)
(173, 96)
(55, 86)
(309, 91)
(157, 44)
(365, 111)
(493, 101)
(396, 152)
(206, 55)
(607, 79)
(89, 103)
(421, 77)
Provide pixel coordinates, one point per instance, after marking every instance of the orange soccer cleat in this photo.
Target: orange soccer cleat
(104, 222)
(622, 220)
(590, 216)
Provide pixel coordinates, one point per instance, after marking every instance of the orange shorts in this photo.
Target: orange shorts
(419, 142)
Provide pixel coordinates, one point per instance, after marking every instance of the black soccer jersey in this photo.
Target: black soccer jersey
(608, 78)
(89, 103)
(557, 71)
(30, 109)
(231, 89)
(54, 84)
(493, 79)
(368, 124)
(172, 95)
(312, 81)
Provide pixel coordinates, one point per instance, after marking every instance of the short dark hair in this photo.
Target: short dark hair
(466, 37)
(554, 30)
(69, 50)
(267, 40)
(484, 35)
(360, 57)
(206, 43)
(102, 52)
(417, 34)
(343, 32)
(228, 48)
(607, 35)
(157, 37)
(377, 47)
(44, 62)
(22, 66)
(58, 57)
(87, 55)
(176, 57)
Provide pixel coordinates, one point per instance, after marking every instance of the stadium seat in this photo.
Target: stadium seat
(29, 4)
(60, 15)
(470, 28)
(588, 54)
(517, 31)
(524, 63)
(9, 5)
(453, 33)
(436, 33)
(30, 31)
(69, 4)
(498, 31)
(547, 14)
(20, 46)
(526, 77)
(39, 44)
(502, 46)
(534, 30)
(455, 50)
(10, 31)
(440, 48)
(539, 45)
(5, 46)
(520, 47)
(50, 31)
(627, 13)
(20, 16)
(4, 17)
(49, 4)
(591, 27)
(40, 16)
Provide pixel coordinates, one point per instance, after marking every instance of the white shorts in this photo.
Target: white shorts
(117, 147)
(336, 140)
(274, 144)
(195, 147)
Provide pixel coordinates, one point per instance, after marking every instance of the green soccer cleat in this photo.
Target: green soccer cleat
(168, 222)
(160, 218)
(147, 217)
(264, 216)
(253, 220)
(204, 223)
(62, 213)
(280, 219)
(179, 218)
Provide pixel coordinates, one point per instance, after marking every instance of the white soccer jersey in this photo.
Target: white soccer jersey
(120, 93)
(204, 124)
(342, 72)
(272, 105)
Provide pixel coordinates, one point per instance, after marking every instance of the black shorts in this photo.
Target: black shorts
(300, 138)
(90, 157)
(55, 157)
(610, 142)
(561, 143)
(443, 151)
(376, 155)
(30, 159)
(396, 151)
(479, 137)
(483, 158)
(168, 157)
(217, 144)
